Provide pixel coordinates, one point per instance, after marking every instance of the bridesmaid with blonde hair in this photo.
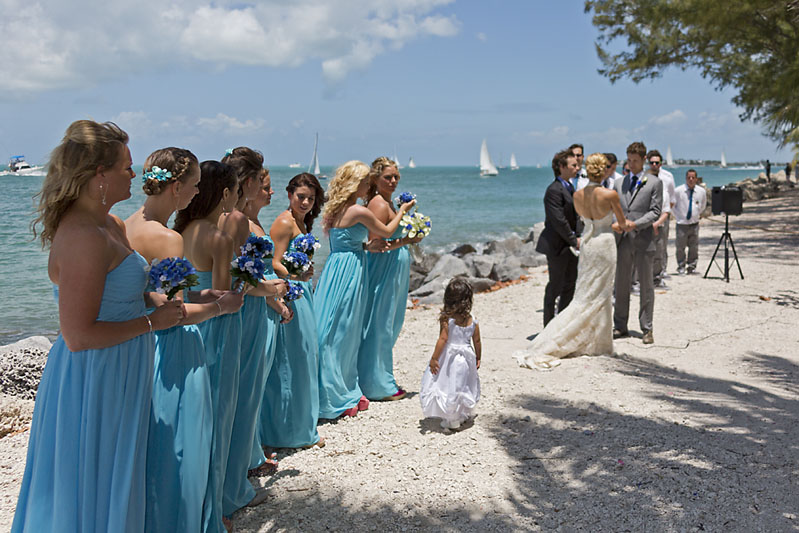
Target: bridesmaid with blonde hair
(85, 469)
(341, 291)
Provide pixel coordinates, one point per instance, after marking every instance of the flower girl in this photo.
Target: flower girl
(450, 384)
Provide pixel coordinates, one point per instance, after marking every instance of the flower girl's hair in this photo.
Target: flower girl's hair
(457, 299)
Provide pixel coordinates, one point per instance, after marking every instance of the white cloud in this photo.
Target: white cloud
(669, 119)
(482, 36)
(53, 44)
(224, 123)
(555, 134)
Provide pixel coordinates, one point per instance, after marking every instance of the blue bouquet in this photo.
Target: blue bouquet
(306, 243)
(297, 263)
(257, 246)
(248, 269)
(404, 198)
(171, 275)
(294, 292)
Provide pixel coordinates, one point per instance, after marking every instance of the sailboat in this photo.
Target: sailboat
(723, 160)
(487, 167)
(513, 164)
(314, 164)
(396, 160)
(411, 164)
(669, 158)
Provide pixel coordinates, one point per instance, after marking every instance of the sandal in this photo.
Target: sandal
(268, 468)
(400, 394)
(352, 411)
(363, 404)
(318, 444)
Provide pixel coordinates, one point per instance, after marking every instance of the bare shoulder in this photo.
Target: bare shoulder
(78, 242)
(380, 207)
(284, 223)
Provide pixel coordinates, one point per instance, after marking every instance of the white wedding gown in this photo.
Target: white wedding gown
(585, 327)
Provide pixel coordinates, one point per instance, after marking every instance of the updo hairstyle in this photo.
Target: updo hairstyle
(377, 168)
(178, 161)
(249, 164)
(86, 146)
(596, 166)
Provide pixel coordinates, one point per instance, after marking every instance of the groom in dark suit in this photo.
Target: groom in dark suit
(562, 230)
(641, 198)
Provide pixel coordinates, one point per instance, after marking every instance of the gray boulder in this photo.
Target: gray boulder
(463, 249)
(432, 286)
(437, 298)
(424, 262)
(507, 270)
(416, 281)
(447, 267)
(480, 266)
(480, 284)
(530, 236)
(507, 246)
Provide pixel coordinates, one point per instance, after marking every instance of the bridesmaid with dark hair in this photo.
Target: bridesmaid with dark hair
(290, 410)
(85, 469)
(388, 278)
(211, 250)
(181, 422)
(259, 317)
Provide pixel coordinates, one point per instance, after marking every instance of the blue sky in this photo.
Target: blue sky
(429, 77)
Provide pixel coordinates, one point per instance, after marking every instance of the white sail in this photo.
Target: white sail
(669, 158)
(411, 164)
(396, 159)
(487, 167)
(513, 164)
(723, 160)
(315, 159)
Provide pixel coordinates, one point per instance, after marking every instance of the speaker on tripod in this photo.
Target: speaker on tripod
(727, 201)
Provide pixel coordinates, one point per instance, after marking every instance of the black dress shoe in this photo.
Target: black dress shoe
(619, 334)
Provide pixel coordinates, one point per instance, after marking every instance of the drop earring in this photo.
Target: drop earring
(102, 193)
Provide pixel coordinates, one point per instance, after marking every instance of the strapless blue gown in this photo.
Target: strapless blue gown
(222, 339)
(340, 307)
(388, 276)
(256, 331)
(290, 409)
(181, 425)
(86, 463)
(271, 323)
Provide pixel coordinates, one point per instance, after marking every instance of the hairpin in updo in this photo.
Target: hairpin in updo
(229, 151)
(157, 173)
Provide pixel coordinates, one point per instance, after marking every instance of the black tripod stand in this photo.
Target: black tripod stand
(726, 238)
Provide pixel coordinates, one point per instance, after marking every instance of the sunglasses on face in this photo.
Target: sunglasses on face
(654, 163)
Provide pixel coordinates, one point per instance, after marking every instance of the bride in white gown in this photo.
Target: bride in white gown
(585, 327)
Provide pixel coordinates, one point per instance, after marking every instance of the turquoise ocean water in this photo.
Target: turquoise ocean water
(465, 208)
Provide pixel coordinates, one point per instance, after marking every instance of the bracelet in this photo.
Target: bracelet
(149, 322)
(218, 307)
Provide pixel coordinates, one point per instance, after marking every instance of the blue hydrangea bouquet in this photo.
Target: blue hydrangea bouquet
(171, 275)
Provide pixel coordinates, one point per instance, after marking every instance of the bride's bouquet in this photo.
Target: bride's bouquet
(171, 275)
(415, 224)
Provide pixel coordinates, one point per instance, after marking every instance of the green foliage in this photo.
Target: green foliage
(751, 46)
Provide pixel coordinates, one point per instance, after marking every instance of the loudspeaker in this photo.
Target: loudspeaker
(727, 200)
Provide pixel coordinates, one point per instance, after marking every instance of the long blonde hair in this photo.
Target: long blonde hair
(86, 146)
(378, 166)
(342, 187)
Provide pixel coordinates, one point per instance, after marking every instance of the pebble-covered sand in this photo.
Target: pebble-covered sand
(698, 432)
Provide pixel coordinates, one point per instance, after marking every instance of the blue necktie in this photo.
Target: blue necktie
(633, 182)
(690, 204)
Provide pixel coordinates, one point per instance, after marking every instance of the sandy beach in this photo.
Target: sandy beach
(697, 432)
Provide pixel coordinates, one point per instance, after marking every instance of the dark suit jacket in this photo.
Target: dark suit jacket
(562, 226)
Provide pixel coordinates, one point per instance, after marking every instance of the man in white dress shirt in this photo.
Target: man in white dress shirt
(661, 226)
(581, 179)
(610, 171)
(690, 201)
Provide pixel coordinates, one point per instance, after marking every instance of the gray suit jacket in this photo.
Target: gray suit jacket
(642, 206)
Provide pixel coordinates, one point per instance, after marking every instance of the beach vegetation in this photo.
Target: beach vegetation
(749, 47)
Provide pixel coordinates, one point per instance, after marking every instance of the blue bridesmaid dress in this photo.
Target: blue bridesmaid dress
(290, 409)
(256, 331)
(388, 276)
(86, 463)
(181, 425)
(340, 307)
(222, 340)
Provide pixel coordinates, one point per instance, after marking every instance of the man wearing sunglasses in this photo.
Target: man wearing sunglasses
(661, 225)
(581, 179)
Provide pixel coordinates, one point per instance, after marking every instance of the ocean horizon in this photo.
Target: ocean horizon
(464, 208)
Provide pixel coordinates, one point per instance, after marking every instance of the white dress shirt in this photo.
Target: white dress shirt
(680, 210)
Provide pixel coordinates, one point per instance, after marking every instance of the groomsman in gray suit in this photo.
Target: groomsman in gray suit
(641, 199)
